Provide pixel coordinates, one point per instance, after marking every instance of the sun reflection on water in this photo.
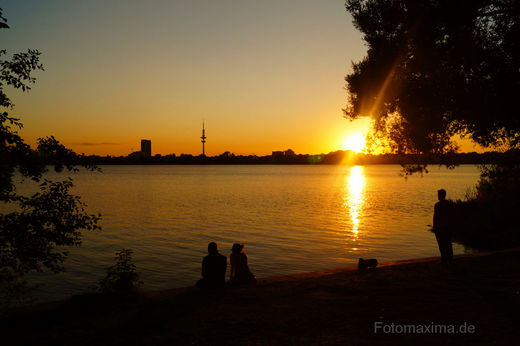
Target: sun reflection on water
(354, 197)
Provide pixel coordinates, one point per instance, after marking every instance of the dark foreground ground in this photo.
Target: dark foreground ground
(328, 307)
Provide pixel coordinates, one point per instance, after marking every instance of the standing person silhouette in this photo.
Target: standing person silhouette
(442, 226)
(213, 268)
(240, 273)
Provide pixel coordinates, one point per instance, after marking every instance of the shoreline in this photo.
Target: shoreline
(323, 272)
(334, 306)
(313, 274)
(268, 280)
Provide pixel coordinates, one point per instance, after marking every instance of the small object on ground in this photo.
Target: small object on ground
(368, 263)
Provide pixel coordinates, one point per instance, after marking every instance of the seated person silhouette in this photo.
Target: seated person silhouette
(240, 273)
(442, 223)
(213, 268)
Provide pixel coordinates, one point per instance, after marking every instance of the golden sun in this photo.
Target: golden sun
(354, 142)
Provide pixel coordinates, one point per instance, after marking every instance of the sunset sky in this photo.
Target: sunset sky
(263, 75)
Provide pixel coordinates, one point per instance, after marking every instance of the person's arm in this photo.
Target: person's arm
(435, 217)
(233, 268)
(204, 268)
(246, 266)
(222, 267)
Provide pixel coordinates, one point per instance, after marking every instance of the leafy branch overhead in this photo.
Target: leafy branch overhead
(435, 69)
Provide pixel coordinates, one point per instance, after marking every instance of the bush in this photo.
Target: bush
(122, 277)
(488, 218)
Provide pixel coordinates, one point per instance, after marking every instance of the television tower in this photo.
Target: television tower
(203, 139)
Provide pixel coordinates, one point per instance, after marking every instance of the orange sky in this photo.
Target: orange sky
(263, 75)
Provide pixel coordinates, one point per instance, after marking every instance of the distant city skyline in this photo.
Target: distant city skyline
(262, 74)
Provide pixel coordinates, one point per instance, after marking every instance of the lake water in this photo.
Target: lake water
(291, 218)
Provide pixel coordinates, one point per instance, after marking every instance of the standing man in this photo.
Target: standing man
(442, 226)
(213, 268)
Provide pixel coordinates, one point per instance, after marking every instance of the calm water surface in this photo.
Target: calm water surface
(291, 218)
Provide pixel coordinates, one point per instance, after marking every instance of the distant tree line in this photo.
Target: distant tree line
(336, 157)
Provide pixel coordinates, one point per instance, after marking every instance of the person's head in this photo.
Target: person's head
(237, 248)
(212, 248)
(441, 194)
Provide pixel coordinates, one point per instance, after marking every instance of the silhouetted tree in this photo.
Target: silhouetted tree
(436, 68)
(36, 226)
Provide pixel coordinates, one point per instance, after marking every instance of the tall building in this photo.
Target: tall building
(203, 139)
(146, 147)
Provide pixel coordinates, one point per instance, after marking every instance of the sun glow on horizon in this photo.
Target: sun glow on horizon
(355, 142)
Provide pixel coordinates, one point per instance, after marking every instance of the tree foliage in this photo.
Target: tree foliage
(437, 68)
(35, 227)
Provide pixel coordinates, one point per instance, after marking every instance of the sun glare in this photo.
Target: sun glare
(354, 197)
(354, 142)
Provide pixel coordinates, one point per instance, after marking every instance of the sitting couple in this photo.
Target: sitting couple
(214, 267)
